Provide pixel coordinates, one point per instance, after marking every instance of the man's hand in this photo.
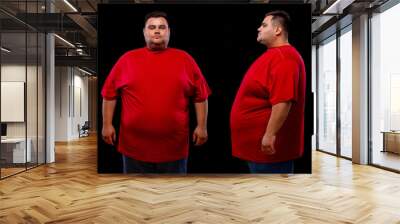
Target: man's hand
(268, 144)
(200, 136)
(108, 134)
(278, 116)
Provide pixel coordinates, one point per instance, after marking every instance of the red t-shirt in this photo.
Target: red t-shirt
(276, 76)
(155, 89)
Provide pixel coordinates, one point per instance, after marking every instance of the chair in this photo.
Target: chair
(84, 130)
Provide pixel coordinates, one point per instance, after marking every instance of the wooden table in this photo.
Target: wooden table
(391, 141)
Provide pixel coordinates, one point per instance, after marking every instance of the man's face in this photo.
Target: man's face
(267, 31)
(156, 33)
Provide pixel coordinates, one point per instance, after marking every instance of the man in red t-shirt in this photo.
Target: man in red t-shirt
(156, 84)
(267, 117)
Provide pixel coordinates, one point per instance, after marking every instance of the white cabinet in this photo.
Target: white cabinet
(16, 147)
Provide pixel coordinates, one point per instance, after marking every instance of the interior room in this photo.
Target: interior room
(51, 110)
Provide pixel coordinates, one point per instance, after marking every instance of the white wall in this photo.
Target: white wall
(33, 127)
(61, 103)
(92, 98)
(71, 102)
(80, 104)
(12, 73)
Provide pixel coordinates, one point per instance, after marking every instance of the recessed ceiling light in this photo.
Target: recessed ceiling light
(5, 50)
(337, 7)
(84, 71)
(64, 40)
(70, 5)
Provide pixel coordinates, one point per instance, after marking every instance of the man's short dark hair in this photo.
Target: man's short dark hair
(155, 14)
(281, 17)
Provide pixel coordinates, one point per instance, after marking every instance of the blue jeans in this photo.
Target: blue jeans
(131, 165)
(279, 167)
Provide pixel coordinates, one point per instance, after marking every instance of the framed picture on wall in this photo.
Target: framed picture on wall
(222, 40)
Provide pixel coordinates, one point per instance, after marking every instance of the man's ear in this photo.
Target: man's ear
(278, 30)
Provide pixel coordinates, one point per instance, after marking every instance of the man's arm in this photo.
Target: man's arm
(279, 114)
(200, 133)
(108, 131)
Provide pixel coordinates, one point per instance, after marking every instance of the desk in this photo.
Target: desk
(391, 141)
(15, 148)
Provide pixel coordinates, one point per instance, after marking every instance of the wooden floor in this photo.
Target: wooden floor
(71, 191)
(5, 172)
(387, 159)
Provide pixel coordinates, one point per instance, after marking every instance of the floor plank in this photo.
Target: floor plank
(71, 191)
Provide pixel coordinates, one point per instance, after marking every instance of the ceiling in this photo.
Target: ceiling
(76, 23)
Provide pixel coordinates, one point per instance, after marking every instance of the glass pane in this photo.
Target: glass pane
(385, 89)
(327, 96)
(346, 94)
(13, 84)
(32, 96)
(313, 89)
(41, 98)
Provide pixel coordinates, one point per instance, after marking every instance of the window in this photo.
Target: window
(346, 92)
(327, 96)
(22, 76)
(385, 88)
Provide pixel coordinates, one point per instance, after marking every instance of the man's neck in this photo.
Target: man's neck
(279, 43)
(155, 47)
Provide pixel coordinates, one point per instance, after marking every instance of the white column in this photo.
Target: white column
(360, 90)
(50, 93)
